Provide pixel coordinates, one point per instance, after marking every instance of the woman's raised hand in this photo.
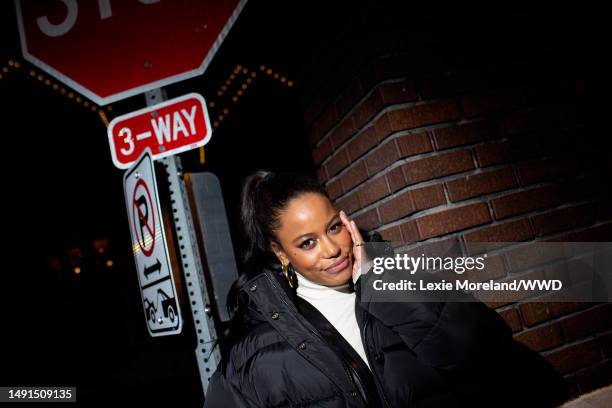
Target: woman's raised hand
(357, 245)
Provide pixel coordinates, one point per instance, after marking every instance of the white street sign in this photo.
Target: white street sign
(159, 297)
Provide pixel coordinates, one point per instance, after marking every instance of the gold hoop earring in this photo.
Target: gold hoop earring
(285, 269)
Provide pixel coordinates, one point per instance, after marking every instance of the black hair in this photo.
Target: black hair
(264, 196)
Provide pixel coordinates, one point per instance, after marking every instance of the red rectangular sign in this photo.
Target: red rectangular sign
(168, 128)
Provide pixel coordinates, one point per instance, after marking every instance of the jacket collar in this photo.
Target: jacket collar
(287, 293)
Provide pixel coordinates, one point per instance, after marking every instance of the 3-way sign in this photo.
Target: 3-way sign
(150, 249)
(168, 128)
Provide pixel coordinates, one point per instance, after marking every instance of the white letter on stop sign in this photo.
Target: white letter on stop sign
(53, 30)
(57, 30)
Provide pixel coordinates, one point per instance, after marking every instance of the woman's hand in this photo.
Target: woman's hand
(358, 249)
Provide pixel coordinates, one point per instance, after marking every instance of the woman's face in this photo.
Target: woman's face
(313, 239)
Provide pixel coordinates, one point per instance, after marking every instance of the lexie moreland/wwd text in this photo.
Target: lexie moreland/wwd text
(515, 285)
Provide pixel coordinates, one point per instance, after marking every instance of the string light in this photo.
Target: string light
(250, 76)
(14, 64)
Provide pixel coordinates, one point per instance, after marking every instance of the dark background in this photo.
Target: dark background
(62, 193)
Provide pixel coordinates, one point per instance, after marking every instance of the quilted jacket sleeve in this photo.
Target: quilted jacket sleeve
(472, 347)
(222, 394)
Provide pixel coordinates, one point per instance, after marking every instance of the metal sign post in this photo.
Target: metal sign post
(190, 261)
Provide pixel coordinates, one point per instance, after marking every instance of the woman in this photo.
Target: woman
(300, 334)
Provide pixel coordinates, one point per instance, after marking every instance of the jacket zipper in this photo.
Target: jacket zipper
(317, 335)
(367, 350)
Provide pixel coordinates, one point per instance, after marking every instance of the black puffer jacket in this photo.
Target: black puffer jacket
(442, 354)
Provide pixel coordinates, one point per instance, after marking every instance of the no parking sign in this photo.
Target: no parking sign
(159, 297)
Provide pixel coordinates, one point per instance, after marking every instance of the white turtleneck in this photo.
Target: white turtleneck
(337, 304)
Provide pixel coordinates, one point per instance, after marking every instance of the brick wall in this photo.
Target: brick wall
(432, 141)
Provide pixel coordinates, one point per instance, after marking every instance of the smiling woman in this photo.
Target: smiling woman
(312, 238)
(301, 335)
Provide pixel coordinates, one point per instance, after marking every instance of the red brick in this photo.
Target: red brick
(321, 152)
(510, 150)
(313, 136)
(428, 197)
(382, 126)
(344, 130)
(337, 162)
(410, 232)
(466, 133)
(322, 174)
(392, 234)
(323, 124)
(450, 247)
(395, 178)
(334, 189)
(480, 183)
(396, 208)
(512, 318)
(362, 143)
(588, 322)
(545, 169)
(575, 356)
(563, 219)
(368, 220)
(492, 101)
(536, 312)
(423, 115)
(382, 157)
(349, 203)
(514, 231)
(524, 201)
(354, 176)
(541, 338)
(368, 108)
(374, 190)
(455, 219)
(412, 144)
(411, 201)
(396, 92)
(438, 166)
(348, 98)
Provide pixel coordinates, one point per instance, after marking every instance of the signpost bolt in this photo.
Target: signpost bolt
(136, 175)
(207, 309)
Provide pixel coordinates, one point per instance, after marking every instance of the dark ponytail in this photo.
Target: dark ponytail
(264, 196)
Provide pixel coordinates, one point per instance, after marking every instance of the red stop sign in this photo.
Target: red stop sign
(109, 50)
